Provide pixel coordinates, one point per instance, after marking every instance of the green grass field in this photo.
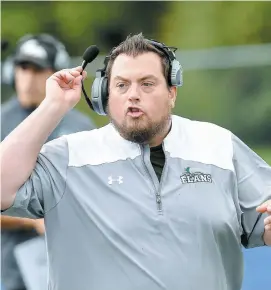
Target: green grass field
(265, 153)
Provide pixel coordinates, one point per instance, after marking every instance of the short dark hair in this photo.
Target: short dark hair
(133, 46)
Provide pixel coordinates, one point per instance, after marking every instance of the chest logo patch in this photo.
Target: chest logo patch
(194, 175)
(118, 180)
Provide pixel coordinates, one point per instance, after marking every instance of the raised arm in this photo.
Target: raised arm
(20, 149)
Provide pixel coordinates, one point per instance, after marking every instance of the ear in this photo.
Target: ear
(172, 96)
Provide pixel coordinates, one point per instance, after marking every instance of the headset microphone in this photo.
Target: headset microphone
(89, 55)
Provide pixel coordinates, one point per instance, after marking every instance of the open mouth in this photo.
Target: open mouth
(131, 109)
(134, 112)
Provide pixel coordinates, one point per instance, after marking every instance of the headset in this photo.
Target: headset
(61, 59)
(99, 91)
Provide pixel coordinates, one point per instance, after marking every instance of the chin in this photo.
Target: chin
(136, 124)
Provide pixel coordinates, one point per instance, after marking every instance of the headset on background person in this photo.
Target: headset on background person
(99, 91)
(61, 58)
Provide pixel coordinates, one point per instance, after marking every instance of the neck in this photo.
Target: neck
(158, 139)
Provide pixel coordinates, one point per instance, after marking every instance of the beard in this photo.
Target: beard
(141, 130)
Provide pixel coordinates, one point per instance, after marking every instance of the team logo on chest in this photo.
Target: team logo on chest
(193, 175)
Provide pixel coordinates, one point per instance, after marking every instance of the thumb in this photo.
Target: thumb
(262, 208)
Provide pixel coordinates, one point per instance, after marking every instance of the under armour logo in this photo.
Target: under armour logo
(111, 179)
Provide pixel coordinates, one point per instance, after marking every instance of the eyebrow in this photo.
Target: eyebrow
(141, 79)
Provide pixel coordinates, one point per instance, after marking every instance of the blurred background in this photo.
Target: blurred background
(224, 47)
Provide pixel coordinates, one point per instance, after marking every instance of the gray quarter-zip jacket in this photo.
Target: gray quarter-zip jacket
(110, 224)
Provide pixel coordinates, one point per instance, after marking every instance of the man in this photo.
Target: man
(156, 201)
(36, 58)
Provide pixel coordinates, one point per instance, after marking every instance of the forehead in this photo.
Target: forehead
(31, 67)
(130, 67)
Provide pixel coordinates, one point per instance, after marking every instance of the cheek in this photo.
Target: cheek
(157, 106)
(21, 87)
(20, 82)
(38, 87)
(42, 85)
(116, 105)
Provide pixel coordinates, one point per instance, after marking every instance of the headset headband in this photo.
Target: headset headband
(99, 91)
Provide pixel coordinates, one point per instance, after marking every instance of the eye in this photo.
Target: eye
(121, 85)
(24, 66)
(147, 84)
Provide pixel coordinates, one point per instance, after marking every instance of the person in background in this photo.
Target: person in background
(35, 59)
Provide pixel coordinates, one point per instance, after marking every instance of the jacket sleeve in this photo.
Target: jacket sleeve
(254, 187)
(46, 185)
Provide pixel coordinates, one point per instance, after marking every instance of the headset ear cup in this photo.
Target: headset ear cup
(8, 68)
(62, 59)
(99, 95)
(8, 72)
(104, 95)
(176, 74)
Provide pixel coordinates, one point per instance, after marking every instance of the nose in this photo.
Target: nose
(134, 93)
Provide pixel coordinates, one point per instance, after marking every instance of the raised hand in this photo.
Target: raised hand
(64, 87)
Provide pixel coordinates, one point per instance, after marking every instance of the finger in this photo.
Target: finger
(67, 76)
(84, 75)
(76, 73)
(78, 68)
(263, 207)
(267, 221)
(77, 81)
(268, 227)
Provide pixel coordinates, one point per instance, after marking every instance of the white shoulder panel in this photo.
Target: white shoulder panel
(201, 142)
(99, 146)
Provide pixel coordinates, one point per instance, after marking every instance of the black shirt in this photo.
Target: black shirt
(158, 160)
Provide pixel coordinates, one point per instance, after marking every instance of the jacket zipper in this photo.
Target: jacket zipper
(161, 181)
(157, 193)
